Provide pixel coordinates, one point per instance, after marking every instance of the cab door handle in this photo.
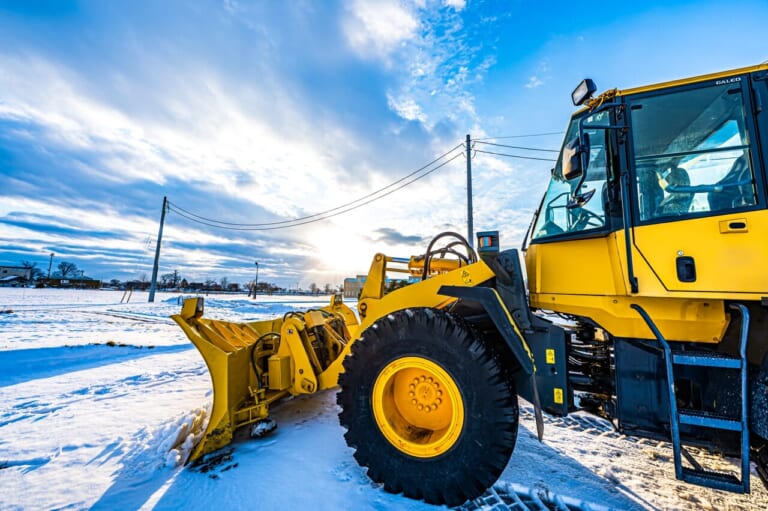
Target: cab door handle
(733, 225)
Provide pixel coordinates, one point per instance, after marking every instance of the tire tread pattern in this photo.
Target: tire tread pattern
(488, 438)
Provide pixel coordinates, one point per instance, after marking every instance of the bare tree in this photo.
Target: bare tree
(34, 272)
(67, 269)
(224, 282)
(170, 280)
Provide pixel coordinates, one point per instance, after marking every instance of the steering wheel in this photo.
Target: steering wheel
(585, 219)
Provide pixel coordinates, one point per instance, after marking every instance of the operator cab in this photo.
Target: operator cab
(687, 151)
(662, 173)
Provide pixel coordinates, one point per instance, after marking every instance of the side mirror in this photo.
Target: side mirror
(575, 158)
(577, 200)
(572, 160)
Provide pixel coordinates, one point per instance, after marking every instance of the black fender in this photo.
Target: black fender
(507, 326)
(508, 329)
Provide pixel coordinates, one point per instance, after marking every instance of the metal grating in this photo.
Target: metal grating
(514, 497)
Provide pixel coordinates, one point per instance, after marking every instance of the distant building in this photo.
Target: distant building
(15, 271)
(81, 283)
(353, 286)
(137, 285)
(11, 281)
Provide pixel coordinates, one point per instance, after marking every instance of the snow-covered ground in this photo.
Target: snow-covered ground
(94, 393)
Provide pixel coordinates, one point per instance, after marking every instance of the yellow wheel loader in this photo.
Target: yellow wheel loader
(644, 300)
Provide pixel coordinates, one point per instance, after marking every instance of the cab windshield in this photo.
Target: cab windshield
(555, 218)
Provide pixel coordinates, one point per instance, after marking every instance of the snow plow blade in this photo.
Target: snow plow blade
(254, 364)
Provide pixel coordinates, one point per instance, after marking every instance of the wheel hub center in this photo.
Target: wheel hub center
(425, 393)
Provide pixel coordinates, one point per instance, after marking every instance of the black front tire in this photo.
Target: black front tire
(481, 445)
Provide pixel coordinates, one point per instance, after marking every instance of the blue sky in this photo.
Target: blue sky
(265, 111)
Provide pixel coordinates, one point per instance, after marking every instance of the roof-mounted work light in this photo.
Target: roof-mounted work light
(583, 92)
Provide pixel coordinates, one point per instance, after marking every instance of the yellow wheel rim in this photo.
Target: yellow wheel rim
(418, 407)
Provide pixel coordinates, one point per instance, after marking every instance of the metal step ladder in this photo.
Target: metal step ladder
(697, 474)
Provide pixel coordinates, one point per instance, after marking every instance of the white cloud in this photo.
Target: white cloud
(205, 136)
(438, 69)
(261, 142)
(376, 28)
(406, 108)
(85, 217)
(533, 82)
(459, 5)
(540, 76)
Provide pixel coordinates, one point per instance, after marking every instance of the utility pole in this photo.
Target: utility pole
(49, 270)
(470, 228)
(153, 284)
(256, 284)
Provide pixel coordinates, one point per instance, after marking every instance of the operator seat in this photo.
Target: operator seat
(676, 203)
(650, 193)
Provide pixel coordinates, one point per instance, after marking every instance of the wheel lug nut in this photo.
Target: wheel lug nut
(412, 394)
(413, 402)
(420, 407)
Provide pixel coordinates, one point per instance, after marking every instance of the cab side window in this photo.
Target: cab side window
(555, 218)
(691, 152)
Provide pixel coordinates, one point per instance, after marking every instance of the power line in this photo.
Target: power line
(522, 136)
(283, 222)
(515, 156)
(340, 210)
(366, 199)
(519, 147)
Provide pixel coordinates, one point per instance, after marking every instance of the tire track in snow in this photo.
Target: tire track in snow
(30, 408)
(60, 407)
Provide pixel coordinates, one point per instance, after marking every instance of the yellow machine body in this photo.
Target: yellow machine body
(683, 311)
(253, 365)
(652, 229)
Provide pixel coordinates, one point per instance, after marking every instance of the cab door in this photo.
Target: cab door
(699, 207)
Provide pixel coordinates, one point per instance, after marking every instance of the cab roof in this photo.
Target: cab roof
(694, 79)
